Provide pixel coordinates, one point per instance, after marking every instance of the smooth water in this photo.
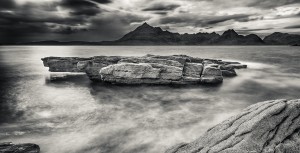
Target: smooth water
(75, 115)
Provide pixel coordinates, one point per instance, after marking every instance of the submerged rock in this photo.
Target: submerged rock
(266, 127)
(9, 147)
(149, 69)
(227, 70)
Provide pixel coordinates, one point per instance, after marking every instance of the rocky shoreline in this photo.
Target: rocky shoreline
(265, 127)
(148, 69)
(9, 147)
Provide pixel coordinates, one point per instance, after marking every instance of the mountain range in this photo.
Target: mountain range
(148, 35)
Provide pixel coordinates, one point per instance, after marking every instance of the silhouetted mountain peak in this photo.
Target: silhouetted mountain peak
(144, 26)
(146, 34)
(230, 32)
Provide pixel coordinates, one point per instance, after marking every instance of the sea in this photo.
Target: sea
(71, 114)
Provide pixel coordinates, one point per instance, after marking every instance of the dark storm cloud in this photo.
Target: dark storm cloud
(7, 4)
(81, 7)
(218, 19)
(86, 11)
(293, 27)
(161, 12)
(260, 29)
(20, 22)
(114, 26)
(25, 17)
(103, 1)
(201, 21)
(161, 7)
(271, 3)
(96, 20)
(245, 30)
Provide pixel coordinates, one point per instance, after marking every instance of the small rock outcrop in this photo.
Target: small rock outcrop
(266, 127)
(149, 69)
(8, 147)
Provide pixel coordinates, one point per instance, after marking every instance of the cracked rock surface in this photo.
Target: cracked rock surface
(265, 127)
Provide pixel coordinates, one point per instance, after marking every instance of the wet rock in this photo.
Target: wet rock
(8, 147)
(265, 127)
(227, 71)
(193, 70)
(81, 65)
(238, 66)
(63, 64)
(179, 58)
(151, 60)
(211, 75)
(139, 73)
(97, 63)
(191, 80)
(130, 70)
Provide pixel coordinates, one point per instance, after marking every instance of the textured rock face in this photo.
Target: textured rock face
(98, 62)
(63, 64)
(211, 74)
(228, 71)
(193, 70)
(8, 147)
(149, 69)
(266, 127)
(129, 71)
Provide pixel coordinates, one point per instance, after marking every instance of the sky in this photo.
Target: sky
(98, 20)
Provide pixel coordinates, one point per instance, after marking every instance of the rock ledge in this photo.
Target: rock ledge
(266, 127)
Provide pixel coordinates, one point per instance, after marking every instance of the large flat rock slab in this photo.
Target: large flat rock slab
(265, 127)
(148, 69)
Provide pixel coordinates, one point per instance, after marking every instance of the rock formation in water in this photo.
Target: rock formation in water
(9, 147)
(149, 69)
(266, 127)
(278, 38)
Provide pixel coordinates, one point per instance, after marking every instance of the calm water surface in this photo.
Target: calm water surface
(75, 115)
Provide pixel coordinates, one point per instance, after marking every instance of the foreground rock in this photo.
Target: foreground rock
(149, 69)
(266, 127)
(9, 147)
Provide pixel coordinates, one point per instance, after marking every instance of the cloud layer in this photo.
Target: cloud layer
(97, 20)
